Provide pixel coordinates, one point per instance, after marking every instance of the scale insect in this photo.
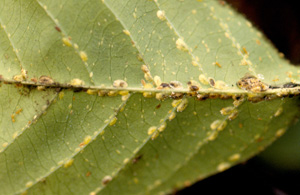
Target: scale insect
(252, 83)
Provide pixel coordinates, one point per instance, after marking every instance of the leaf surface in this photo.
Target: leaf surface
(67, 125)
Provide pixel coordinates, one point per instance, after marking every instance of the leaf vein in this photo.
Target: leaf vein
(75, 153)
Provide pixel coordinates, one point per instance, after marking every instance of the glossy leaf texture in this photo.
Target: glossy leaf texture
(83, 110)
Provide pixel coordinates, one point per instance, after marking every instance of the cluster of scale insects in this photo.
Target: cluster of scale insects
(165, 90)
(153, 87)
(173, 90)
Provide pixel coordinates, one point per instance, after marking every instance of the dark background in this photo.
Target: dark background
(279, 20)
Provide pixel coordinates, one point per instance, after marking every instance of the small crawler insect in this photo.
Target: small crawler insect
(136, 159)
(13, 118)
(83, 56)
(34, 80)
(218, 64)
(57, 28)
(88, 174)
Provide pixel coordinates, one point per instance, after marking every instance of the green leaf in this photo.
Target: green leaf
(75, 117)
(284, 154)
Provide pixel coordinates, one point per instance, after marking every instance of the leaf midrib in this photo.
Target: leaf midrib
(230, 91)
(137, 89)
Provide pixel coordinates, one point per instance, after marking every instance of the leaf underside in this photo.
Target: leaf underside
(60, 137)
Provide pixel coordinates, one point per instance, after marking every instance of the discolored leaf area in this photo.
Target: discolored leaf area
(134, 97)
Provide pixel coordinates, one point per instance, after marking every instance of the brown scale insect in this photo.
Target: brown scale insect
(106, 179)
(163, 86)
(237, 97)
(256, 99)
(18, 85)
(225, 97)
(251, 83)
(176, 85)
(57, 28)
(194, 88)
(290, 85)
(163, 95)
(214, 96)
(136, 159)
(120, 83)
(211, 82)
(34, 80)
(202, 97)
(88, 174)
(177, 95)
(46, 80)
